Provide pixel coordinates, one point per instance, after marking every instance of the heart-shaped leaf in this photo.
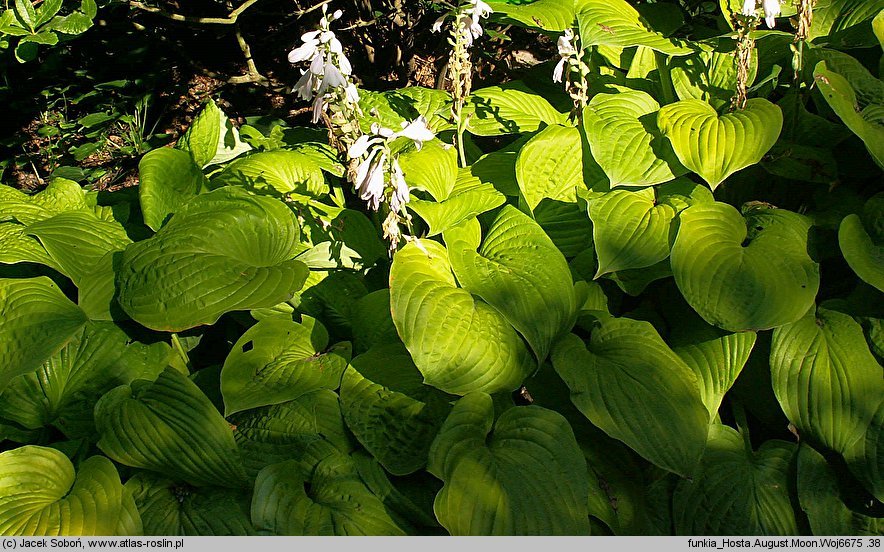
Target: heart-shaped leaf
(169, 426)
(212, 139)
(509, 109)
(225, 250)
(550, 166)
(616, 23)
(389, 410)
(170, 508)
(820, 499)
(744, 274)
(519, 272)
(716, 146)
(37, 322)
(709, 76)
(526, 476)
(41, 495)
(737, 491)
(629, 383)
(458, 342)
(625, 142)
(432, 168)
(332, 500)
(63, 391)
(864, 256)
(168, 178)
(290, 173)
(283, 431)
(469, 198)
(278, 360)
(61, 195)
(825, 378)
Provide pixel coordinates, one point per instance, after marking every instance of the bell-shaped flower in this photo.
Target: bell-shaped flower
(304, 87)
(771, 11)
(479, 9)
(749, 7)
(370, 179)
(566, 50)
(437, 25)
(417, 130)
(400, 188)
(307, 50)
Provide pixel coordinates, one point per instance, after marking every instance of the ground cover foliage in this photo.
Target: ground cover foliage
(644, 300)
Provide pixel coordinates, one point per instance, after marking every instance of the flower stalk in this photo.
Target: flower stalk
(573, 71)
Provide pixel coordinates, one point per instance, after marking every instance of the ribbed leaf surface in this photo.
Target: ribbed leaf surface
(168, 178)
(510, 109)
(550, 166)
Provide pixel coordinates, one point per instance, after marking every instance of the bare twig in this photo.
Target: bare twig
(231, 18)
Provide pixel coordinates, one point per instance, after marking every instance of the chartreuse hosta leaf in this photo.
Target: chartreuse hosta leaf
(212, 138)
(518, 271)
(708, 76)
(168, 178)
(625, 141)
(59, 196)
(716, 356)
(821, 499)
(291, 173)
(521, 475)
(866, 456)
(865, 119)
(864, 256)
(408, 500)
(550, 166)
(17, 247)
(737, 491)
(223, 251)
(330, 499)
(469, 198)
(169, 426)
(276, 433)
(171, 508)
(37, 322)
(458, 342)
(635, 229)
(751, 273)
(715, 146)
(389, 409)
(616, 23)
(63, 391)
(278, 360)
(511, 108)
(433, 168)
(549, 15)
(403, 105)
(825, 378)
(629, 383)
(78, 240)
(42, 495)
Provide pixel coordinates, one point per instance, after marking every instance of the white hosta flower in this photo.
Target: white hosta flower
(370, 178)
(400, 188)
(478, 9)
(566, 50)
(771, 10)
(307, 50)
(416, 130)
(467, 21)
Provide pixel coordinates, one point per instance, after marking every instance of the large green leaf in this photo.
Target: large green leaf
(389, 409)
(17, 247)
(865, 119)
(844, 23)
(616, 23)
(715, 146)
(291, 173)
(709, 76)
(278, 360)
(37, 322)
(61, 195)
(169, 426)
(458, 342)
(432, 168)
(41, 495)
(527, 476)
(737, 491)
(518, 271)
(864, 256)
(63, 391)
(469, 198)
(550, 166)
(332, 500)
(566, 224)
(548, 15)
(866, 456)
(78, 240)
(825, 378)
(821, 500)
(277, 433)
(223, 251)
(635, 229)
(625, 141)
(212, 138)
(403, 105)
(170, 508)
(745, 274)
(509, 109)
(629, 383)
(168, 178)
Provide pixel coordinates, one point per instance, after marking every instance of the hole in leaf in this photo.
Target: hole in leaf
(746, 242)
(248, 346)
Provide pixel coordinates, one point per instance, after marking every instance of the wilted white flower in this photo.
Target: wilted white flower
(467, 21)
(401, 193)
(566, 50)
(370, 178)
(771, 10)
